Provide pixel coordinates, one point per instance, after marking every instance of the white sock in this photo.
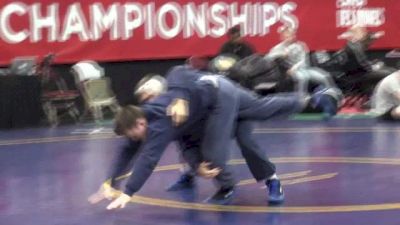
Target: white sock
(273, 177)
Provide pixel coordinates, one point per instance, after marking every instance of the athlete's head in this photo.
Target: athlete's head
(234, 34)
(131, 122)
(150, 87)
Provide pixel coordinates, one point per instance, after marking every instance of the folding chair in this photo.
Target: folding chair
(95, 89)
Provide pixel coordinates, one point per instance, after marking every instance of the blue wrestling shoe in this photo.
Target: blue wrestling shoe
(328, 100)
(275, 192)
(184, 182)
(223, 196)
(329, 106)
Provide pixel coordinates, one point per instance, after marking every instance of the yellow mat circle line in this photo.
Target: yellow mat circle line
(280, 209)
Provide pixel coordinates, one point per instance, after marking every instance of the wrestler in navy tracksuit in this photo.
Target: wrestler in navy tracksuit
(214, 98)
(237, 104)
(259, 165)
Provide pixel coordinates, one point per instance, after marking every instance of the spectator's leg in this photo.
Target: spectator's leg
(302, 80)
(321, 77)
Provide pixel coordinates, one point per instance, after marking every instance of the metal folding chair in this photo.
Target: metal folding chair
(95, 89)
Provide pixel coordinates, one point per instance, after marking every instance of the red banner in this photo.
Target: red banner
(133, 30)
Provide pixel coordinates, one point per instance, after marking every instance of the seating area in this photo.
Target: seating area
(91, 94)
(85, 91)
(60, 100)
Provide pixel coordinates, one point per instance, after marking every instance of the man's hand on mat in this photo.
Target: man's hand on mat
(179, 111)
(120, 202)
(105, 192)
(205, 171)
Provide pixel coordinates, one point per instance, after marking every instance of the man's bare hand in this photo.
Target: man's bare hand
(378, 34)
(285, 53)
(205, 171)
(120, 202)
(104, 192)
(377, 66)
(179, 111)
(290, 72)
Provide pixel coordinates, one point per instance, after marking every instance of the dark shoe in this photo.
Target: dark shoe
(275, 192)
(222, 197)
(327, 99)
(329, 106)
(185, 181)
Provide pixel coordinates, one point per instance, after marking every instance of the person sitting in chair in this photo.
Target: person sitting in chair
(358, 41)
(294, 54)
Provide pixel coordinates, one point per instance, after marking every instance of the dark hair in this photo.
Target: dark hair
(235, 30)
(126, 118)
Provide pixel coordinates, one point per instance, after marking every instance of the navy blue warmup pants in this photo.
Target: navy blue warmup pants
(236, 103)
